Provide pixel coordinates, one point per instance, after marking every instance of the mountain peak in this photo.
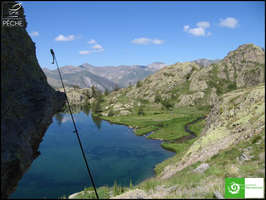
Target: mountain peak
(249, 45)
(247, 52)
(86, 65)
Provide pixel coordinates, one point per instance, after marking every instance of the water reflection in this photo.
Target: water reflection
(113, 151)
(61, 117)
(86, 110)
(97, 121)
(77, 109)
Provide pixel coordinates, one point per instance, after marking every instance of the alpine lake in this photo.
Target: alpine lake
(114, 154)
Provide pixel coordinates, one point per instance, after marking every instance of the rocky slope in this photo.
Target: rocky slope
(189, 84)
(236, 116)
(27, 106)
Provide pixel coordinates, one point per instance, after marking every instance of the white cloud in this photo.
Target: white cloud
(141, 41)
(229, 22)
(199, 30)
(157, 41)
(186, 27)
(203, 24)
(97, 46)
(145, 41)
(85, 52)
(34, 33)
(94, 48)
(64, 38)
(92, 41)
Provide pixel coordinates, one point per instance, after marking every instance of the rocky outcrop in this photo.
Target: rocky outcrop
(245, 66)
(27, 106)
(190, 99)
(78, 96)
(198, 80)
(213, 98)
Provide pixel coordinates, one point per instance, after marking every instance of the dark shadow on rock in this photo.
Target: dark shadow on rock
(28, 104)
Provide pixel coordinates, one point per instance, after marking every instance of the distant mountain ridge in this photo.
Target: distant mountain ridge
(205, 62)
(106, 77)
(77, 76)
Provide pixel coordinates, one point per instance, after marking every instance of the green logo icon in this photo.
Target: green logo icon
(235, 188)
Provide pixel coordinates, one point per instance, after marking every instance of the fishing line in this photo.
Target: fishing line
(76, 130)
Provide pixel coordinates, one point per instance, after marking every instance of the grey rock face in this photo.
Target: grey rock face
(27, 106)
(246, 65)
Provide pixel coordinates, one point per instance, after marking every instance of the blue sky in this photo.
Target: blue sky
(127, 33)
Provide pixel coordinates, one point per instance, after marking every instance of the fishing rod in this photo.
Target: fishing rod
(76, 130)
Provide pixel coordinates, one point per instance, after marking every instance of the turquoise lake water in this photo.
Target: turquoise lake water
(114, 153)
